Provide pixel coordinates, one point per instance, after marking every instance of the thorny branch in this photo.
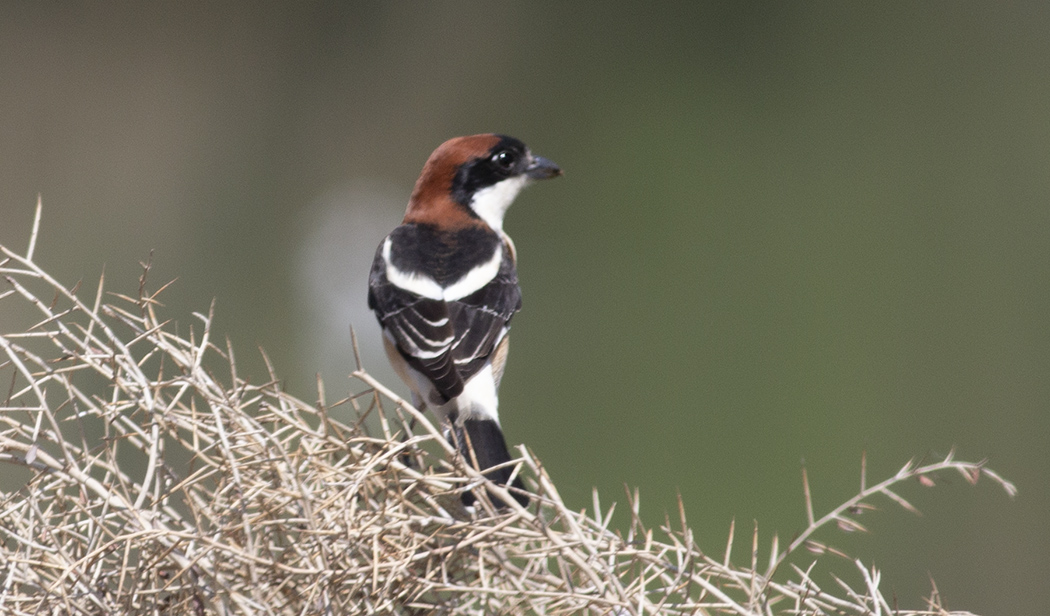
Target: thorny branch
(148, 485)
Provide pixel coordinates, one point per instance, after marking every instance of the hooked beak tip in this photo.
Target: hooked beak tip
(540, 169)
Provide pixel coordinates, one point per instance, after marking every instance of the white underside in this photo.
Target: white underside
(479, 399)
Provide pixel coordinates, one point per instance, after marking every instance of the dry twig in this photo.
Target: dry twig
(155, 486)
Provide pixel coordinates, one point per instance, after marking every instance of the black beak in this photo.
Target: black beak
(540, 169)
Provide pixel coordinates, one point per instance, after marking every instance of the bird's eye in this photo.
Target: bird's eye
(504, 159)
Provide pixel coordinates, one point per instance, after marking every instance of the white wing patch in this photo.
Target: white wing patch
(425, 286)
(475, 278)
(410, 281)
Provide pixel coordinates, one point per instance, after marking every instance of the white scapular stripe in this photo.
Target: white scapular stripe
(475, 278)
(491, 203)
(424, 285)
(419, 284)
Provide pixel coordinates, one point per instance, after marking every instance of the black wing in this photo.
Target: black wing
(480, 319)
(448, 342)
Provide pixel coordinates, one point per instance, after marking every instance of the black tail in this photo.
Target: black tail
(484, 437)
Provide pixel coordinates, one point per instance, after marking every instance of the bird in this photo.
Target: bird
(444, 287)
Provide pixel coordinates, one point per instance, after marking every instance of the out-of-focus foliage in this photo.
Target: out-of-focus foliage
(785, 231)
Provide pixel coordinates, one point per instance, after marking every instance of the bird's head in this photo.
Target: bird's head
(469, 180)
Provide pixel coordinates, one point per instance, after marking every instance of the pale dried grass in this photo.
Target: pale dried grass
(160, 482)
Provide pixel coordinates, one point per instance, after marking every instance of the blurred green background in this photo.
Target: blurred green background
(784, 232)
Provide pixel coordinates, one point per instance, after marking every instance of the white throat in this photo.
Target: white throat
(491, 203)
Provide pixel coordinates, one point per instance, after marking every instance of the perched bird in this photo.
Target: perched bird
(444, 287)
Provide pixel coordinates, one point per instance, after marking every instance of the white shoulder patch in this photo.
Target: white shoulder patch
(475, 278)
(420, 284)
(425, 286)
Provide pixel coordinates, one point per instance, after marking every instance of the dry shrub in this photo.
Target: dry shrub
(160, 482)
